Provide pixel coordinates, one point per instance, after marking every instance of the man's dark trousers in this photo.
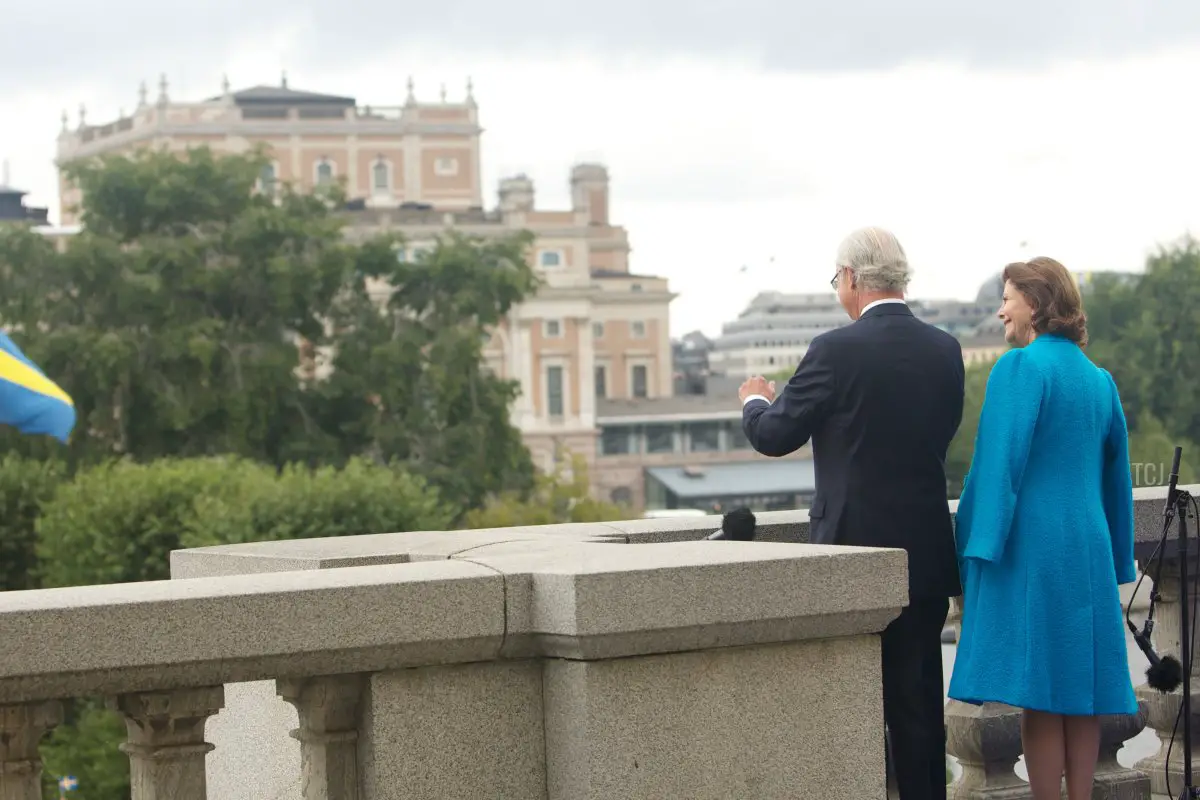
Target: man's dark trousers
(913, 700)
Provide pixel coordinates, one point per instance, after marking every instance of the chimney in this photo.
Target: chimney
(589, 192)
(516, 194)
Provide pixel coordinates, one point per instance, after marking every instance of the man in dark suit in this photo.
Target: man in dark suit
(881, 399)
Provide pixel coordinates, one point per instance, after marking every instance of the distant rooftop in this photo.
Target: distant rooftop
(776, 476)
(282, 95)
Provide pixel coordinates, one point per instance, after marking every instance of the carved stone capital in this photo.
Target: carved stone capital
(328, 708)
(166, 745)
(21, 730)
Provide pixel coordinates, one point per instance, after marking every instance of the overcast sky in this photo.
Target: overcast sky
(752, 133)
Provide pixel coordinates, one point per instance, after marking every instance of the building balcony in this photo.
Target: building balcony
(606, 660)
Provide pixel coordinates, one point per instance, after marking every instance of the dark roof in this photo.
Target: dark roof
(775, 476)
(280, 95)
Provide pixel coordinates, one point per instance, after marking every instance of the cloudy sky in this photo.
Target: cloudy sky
(737, 134)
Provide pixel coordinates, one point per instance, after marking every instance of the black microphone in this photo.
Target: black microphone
(738, 526)
(1164, 674)
(1173, 482)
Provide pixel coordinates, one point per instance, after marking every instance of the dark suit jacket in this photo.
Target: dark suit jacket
(881, 399)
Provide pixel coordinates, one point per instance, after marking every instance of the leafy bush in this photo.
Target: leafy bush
(303, 504)
(25, 486)
(118, 522)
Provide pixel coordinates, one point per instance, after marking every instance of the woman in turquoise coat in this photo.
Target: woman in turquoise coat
(1045, 535)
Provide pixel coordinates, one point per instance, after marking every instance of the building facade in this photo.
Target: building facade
(774, 331)
(595, 330)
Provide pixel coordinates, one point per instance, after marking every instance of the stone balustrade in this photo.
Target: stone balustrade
(524, 663)
(547, 662)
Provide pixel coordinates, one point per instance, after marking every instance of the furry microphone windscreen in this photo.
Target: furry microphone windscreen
(739, 525)
(1166, 675)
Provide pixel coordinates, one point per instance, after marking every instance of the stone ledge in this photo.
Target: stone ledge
(589, 601)
(132, 637)
(333, 552)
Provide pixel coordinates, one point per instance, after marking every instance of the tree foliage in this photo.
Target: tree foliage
(408, 381)
(174, 319)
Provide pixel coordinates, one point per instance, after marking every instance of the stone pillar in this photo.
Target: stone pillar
(328, 734)
(986, 740)
(21, 730)
(166, 745)
(1162, 710)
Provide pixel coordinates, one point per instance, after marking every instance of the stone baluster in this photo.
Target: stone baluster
(986, 741)
(166, 745)
(328, 734)
(1163, 709)
(21, 730)
(1113, 781)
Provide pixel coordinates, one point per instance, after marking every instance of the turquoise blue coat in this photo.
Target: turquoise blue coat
(1045, 535)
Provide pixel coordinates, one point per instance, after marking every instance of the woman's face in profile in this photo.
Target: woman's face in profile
(1017, 315)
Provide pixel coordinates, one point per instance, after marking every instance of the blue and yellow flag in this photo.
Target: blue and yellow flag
(29, 401)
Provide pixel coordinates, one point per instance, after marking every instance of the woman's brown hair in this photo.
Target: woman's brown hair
(1054, 296)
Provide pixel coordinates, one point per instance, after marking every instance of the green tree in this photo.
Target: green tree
(172, 318)
(962, 446)
(408, 380)
(563, 496)
(1146, 332)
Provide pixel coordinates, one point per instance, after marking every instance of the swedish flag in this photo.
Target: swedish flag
(29, 401)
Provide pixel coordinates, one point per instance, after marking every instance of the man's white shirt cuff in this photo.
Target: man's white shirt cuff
(755, 397)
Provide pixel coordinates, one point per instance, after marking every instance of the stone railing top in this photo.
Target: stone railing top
(773, 526)
(517, 596)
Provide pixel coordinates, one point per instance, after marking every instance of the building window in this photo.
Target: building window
(704, 437)
(550, 258)
(597, 330)
(639, 380)
(638, 330)
(554, 391)
(660, 439)
(601, 382)
(266, 179)
(324, 172)
(552, 329)
(637, 287)
(381, 179)
(615, 442)
(736, 437)
(622, 496)
(445, 166)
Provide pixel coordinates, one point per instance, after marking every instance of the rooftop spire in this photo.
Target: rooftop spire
(283, 80)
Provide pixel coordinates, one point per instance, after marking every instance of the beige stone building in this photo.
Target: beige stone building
(596, 331)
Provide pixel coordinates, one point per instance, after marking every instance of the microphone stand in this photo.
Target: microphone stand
(1177, 504)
